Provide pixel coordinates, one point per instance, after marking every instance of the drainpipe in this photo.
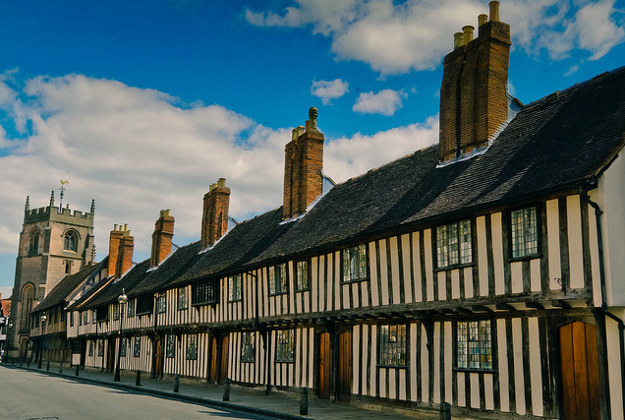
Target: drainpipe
(604, 306)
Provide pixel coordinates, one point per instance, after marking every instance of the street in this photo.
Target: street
(33, 395)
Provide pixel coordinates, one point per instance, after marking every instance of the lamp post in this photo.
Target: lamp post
(43, 329)
(122, 299)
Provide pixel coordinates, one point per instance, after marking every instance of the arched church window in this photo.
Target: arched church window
(34, 242)
(70, 242)
(28, 294)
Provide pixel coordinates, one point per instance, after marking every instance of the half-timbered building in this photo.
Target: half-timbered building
(483, 271)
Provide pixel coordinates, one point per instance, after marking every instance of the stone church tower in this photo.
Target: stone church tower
(54, 242)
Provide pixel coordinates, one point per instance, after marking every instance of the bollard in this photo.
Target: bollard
(48, 366)
(303, 402)
(77, 369)
(138, 381)
(226, 390)
(61, 367)
(177, 384)
(445, 411)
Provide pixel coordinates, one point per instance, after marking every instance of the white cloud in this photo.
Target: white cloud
(395, 37)
(329, 89)
(137, 151)
(385, 102)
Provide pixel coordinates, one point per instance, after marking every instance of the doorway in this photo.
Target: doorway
(580, 371)
(344, 367)
(157, 372)
(325, 366)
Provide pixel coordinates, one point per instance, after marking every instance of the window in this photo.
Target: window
(285, 343)
(302, 275)
(100, 348)
(85, 316)
(182, 298)
(34, 242)
(137, 347)
(123, 347)
(392, 345)
(68, 266)
(170, 351)
(71, 319)
(116, 312)
(453, 244)
(205, 292)
(355, 263)
(145, 304)
(247, 347)
(70, 241)
(161, 303)
(524, 232)
(94, 319)
(91, 348)
(191, 347)
(277, 279)
(102, 313)
(474, 349)
(131, 308)
(234, 288)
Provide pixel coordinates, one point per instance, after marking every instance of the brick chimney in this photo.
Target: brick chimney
(124, 255)
(303, 162)
(474, 101)
(161, 238)
(121, 247)
(215, 213)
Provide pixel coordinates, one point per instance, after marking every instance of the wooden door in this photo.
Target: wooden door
(223, 368)
(580, 371)
(325, 366)
(110, 356)
(344, 367)
(157, 371)
(214, 356)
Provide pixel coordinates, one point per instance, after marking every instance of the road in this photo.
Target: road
(28, 395)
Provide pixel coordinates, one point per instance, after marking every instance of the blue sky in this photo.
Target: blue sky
(143, 104)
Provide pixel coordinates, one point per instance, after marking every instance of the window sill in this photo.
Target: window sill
(473, 370)
(196, 305)
(393, 366)
(454, 267)
(284, 361)
(235, 300)
(302, 290)
(525, 257)
(354, 280)
(278, 294)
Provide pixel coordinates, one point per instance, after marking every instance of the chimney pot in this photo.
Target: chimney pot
(221, 182)
(482, 19)
(468, 34)
(458, 40)
(494, 11)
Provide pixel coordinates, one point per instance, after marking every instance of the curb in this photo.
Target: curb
(171, 395)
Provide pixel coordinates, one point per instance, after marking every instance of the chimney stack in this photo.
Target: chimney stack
(215, 213)
(121, 248)
(474, 101)
(161, 238)
(303, 162)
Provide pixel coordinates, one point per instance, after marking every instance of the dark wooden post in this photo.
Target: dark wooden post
(226, 390)
(77, 368)
(445, 410)
(177, 384)
(48, 366)
(303, 402)
(138, 380)
(61, 367)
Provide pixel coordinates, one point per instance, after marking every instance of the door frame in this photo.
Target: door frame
(337, 360)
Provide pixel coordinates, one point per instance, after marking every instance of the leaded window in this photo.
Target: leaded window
(70, 241)
(192, 347)
(100, 348)
(85, 317)
(131, 308)
(277, 279)
(302, 275)
(474, 345)
(247, 347)
(182, 298)
(234, 287)
(205, 292)
(91, 348)
(524, 232)
(137, 347)
(355, 263)
(285, 346)
(116, 312)
(392, 345)
(145, 304)
(34, 242)
(170, 351)
(161, 303)
(123, 347)
(454, 244)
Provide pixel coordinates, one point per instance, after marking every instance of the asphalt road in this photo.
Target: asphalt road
(27, 395)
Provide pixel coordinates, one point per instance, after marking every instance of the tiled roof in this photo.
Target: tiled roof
(110, 292)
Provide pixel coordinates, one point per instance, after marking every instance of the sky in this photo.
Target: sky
(142, 104)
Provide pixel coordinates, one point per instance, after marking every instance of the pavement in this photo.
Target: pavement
(275, 404)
